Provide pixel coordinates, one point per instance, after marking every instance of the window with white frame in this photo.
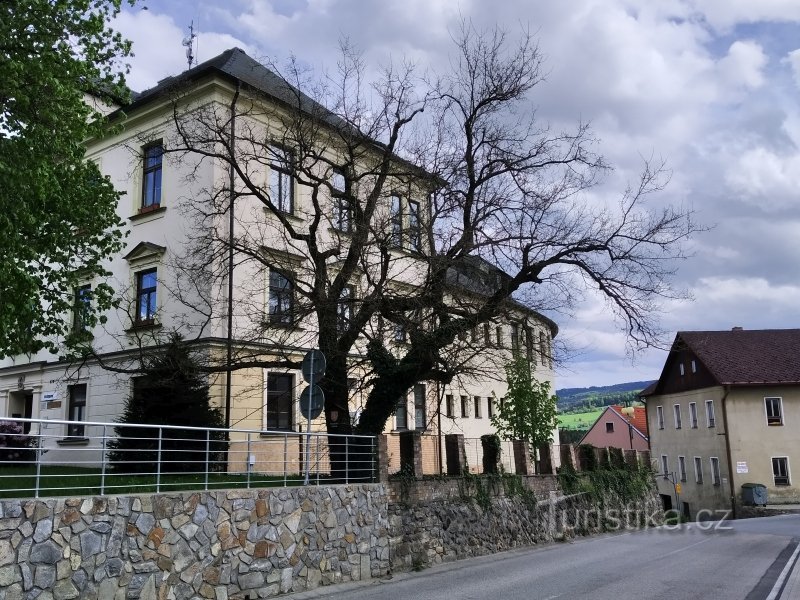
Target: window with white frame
(477, 412)
(396, 221)
(420, 416)
(281, 188)
(464, 406)
(665, 466)
(490, 407)
(716, 479)
(401, 414)
(780, 470)
(414, 226)
(151, 176)
(693, 415)
(342, 209)
(146, 295)
(682, 468)
(698, 469)
(450, 409)
(280, 298)
(676, 409)
(711, 420)
(76, 411)
(774, 409)
(660, 416)
(280, 404)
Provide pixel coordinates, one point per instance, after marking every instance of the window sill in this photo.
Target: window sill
(273, 432)
(144, 213)
(289, 216)
(143, 326)
(775, 424)
(73, 441)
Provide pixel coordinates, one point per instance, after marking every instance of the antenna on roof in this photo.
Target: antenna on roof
(188, 43)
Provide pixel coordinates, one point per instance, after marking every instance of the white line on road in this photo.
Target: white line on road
(684, 548)
(788, 567)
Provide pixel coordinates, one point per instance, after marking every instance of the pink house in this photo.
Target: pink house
(614, 429)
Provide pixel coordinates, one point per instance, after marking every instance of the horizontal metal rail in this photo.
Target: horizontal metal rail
(59, 457)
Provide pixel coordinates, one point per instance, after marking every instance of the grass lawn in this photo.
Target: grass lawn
(582, 420)
(20, 481)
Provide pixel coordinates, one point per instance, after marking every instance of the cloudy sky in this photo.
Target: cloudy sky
(710, 86)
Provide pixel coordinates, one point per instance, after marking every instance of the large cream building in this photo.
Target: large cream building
(162, 193)
(722, 414)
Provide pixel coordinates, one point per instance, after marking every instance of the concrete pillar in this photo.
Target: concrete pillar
(523, 465)
(411, 453)
(569, 457)
(546, 459)
(631, 459)
(601, 458)
(456, 454)
(383, 458)
(644, 459)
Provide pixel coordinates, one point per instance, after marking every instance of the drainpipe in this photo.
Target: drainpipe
(727, 389)
(231, 222)
(439, 426)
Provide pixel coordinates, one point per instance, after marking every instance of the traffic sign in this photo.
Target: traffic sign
(313, 366)
(312, 399)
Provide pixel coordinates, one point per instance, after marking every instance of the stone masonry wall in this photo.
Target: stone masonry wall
(242, 544)
(429, 529)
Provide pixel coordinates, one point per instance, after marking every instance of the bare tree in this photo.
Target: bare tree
(422, 208)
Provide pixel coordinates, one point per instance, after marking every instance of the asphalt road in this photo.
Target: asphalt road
(737, 560)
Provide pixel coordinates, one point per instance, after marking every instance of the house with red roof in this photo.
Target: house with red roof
(619, 427)
(725, 412)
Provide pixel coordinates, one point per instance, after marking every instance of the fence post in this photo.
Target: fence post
(411, 453)
(285, 458)
(208, 455)
(382, 458)
(158, 462)
(247, 464)
(455, 453)
(317, 457)
(103, 467)
(38, 461)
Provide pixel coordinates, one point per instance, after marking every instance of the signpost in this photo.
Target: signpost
(312, 398)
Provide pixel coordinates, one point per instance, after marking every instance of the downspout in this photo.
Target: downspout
(231, 222)
(439, 426)
(727, 389)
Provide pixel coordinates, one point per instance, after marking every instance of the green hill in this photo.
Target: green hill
(583, 399)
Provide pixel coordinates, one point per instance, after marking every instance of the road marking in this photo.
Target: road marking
(786, 569)
(684, 548)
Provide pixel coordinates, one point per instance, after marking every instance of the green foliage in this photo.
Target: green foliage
(172, 392)
(529, 410)
(57, 213)
(627, 484)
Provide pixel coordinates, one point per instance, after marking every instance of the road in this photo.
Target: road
(737, 560)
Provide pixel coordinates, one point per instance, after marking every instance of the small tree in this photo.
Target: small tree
(172, 392)
(529, 409)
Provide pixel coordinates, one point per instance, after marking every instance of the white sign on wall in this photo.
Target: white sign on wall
(49, 396)
(741, 466)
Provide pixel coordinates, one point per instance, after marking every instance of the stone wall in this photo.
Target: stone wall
(220, 545)
(249, 544)
(427, 530)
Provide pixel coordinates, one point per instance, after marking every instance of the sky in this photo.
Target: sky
(709, 86)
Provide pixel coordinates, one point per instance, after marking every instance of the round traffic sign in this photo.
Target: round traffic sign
(312, 399)
(314, 364)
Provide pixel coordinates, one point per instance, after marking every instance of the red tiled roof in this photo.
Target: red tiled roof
(639, 419)
(741, 356)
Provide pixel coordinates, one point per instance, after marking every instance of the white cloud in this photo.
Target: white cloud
(744, 64)
(793, 58)
(725, 14)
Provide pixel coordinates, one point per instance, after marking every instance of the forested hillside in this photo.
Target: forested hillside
(581, 399)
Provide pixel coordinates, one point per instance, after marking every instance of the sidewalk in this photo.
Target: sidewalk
(791, 591)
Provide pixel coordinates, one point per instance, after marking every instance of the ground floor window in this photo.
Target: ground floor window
(401, 414)
(279, 401)
(420, 418)
(715, 476)
(780, 470)
(76, 410)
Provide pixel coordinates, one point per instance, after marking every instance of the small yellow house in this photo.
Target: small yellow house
(723, 413)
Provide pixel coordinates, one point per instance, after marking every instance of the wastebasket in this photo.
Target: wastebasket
(754, 494)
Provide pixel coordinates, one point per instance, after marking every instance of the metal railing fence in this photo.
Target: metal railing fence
(56, 458)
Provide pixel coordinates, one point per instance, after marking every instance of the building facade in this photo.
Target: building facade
(720, 416)
(619, 427)
(166, 285)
